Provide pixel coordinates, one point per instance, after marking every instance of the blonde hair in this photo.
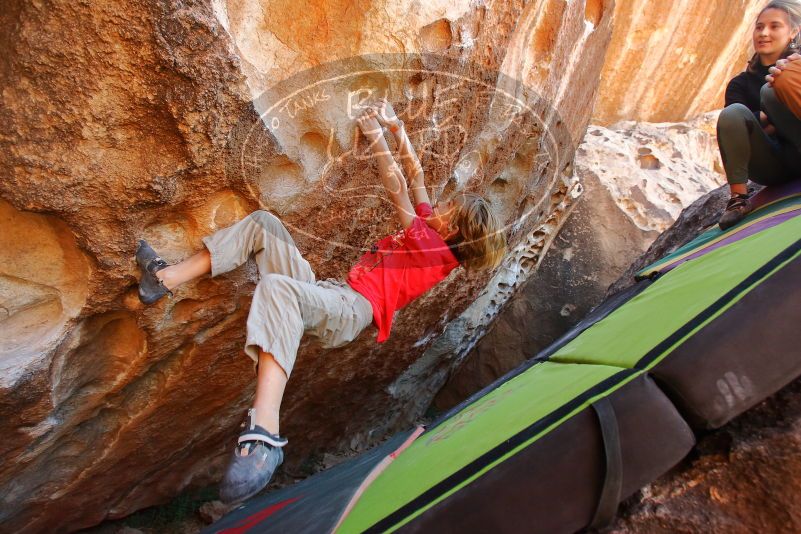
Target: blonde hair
(481, 242)
(793, 10)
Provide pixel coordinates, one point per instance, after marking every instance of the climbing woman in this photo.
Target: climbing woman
(289, 300)
(759, 138)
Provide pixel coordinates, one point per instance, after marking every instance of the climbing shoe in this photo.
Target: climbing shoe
(150, 287)
(738, 207)
(256, 457)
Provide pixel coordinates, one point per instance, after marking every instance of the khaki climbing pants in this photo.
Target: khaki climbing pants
(288, 300)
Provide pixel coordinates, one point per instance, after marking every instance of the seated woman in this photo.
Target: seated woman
(759, 138)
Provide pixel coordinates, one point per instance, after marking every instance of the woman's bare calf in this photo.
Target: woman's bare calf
(189, 269)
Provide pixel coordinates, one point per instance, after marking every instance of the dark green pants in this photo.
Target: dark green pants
(748, 152)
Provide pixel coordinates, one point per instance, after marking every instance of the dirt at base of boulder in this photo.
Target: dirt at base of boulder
(742, 478)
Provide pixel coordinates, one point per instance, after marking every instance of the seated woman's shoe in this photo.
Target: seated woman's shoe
(736, 210)
(256, 457)
(151, 288)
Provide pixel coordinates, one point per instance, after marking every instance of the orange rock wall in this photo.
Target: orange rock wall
(127, 119)
(671, 61)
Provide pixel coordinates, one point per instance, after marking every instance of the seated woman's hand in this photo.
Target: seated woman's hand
(766, 125)
(779, 67)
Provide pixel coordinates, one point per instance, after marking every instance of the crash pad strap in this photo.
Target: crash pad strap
(613, 480)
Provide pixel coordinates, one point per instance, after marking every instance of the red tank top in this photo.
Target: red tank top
(400, 268)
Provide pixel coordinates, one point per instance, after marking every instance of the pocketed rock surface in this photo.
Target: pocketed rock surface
(129, 119)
